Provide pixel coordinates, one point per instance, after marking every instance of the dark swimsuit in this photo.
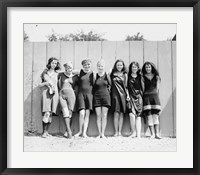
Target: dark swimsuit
(118, 93)
(101, 92)
(134, 88)
(151, 101)
(85, 85)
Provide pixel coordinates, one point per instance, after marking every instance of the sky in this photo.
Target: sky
(111, 32)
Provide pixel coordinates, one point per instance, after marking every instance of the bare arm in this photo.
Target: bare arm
(94, 77)
(109, 78)
(46, 81)
(43, 84)
(59, 82)
(142, 84)
(157, 83)
(126, 88)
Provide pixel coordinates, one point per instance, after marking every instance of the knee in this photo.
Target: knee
(65, 112)
(104, 115)
(82, 113)
(70, 112)
(131, 115)
(116, 114)
(150, 120)
(98, 114)
(121, 115)
(47, 113)
(155, 119)
(98, 118)
(47, 117)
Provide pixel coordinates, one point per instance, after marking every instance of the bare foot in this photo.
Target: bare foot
(85, 135)
(44, 135)
(132, 135)
(98, 137)
(70, 136)
(138, 137)
(116, 134)
(65, 134)
(77, 135)
(48, 135)
(158, 137)
(103, 137)
(152, 137)
(120, 135)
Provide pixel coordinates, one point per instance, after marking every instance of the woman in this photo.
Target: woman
(151, 101)
(67, 96)
(50, 93)
(101, 97)
(119, 94)
(135, 94)
(85, 97)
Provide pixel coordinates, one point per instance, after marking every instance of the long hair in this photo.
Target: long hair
(49, 63)
(124, 69)
(130, 68)
(48, 66)
(153, 69)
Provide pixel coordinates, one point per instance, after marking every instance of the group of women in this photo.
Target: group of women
(134, 92)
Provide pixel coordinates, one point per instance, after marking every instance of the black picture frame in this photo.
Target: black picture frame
(98, 3)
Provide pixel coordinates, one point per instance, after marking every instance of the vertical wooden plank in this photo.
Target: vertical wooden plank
(28, 59)
(39, 64)
(94, 53)
(122, 51)
(54, 50)
(92, 127)
(165, 93)
(110, 124)
(81, 52)
(67, 52)
(150, 52)
(136, 52)
(109, 53)
(75, 123)
(174, 84)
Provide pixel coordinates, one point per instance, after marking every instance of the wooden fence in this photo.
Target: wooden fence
(36, 55)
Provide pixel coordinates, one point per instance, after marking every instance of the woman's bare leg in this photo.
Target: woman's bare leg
(104, 120)
(98, 113)
(86, 122)
(121, 118)
(138, 126)
(116, 123)
(81, 121)
(132, 124)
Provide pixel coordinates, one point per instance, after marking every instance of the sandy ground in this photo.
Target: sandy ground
(60, 143)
